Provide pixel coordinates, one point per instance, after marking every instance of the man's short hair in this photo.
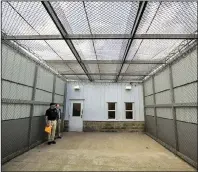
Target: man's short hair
(51, 104)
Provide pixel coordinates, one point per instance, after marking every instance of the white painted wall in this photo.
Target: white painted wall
(96, 96)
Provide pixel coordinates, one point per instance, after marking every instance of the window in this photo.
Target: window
(76, 109)
(111, 110)
(129, 110)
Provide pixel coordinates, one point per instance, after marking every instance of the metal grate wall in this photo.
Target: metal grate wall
(170, 98)
(27, 90)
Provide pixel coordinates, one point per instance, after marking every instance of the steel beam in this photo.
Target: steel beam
(106, 61)
(142, 6)
(15, 101)
(154, 100)
(54, 88)
(32, 105)
(105, 74)
(64, 34)
(173, 108)
(100, 36)
(173, 105)
(96, 0)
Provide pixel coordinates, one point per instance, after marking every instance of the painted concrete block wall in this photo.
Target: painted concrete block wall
(97, 95)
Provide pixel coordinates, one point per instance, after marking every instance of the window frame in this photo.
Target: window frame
(129, 110)
(111, 111)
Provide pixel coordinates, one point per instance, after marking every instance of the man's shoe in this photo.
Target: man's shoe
(49, 143)
(53, 142)
(59, 137)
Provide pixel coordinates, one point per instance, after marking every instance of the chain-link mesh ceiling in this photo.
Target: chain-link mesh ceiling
(100, 19)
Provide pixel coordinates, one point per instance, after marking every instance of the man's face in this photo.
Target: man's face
(57, 105)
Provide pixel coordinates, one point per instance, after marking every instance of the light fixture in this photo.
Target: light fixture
(128, 87)
(77, 87)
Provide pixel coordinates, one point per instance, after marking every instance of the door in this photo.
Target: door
(76, 116)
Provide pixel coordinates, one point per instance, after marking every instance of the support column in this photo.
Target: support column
(32, 105)
(154, 100)
(173, 108)
(64, 106)
(54, 88)
(144, 111)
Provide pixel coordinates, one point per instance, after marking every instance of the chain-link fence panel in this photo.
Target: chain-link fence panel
(60, 86)
(23, 119)
(163, 97)
(148, 87)
(43, 96)
(179, 69)
(45, 80)
(15, 111)
(186, 93)
(162, 81)
(149, 100)
(164, 113)
(176, 108)
(58, 99)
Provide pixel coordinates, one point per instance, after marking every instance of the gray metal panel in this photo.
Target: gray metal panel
(148, 87)
(185, 70)
(165, 130)
(149, 100)
(43, 96)
(161, 81)
(15, 111)
(149, 111)
(187, 114)
(37, 131)
(186, 94)
(150, 125)
(14, 136)
(164, 113)
(163, 97)
(187, 138)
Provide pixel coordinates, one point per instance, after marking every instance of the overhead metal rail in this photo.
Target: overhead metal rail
(64, 33)
(105, 74)
(142, 6)
(106, 62)
(100, 36)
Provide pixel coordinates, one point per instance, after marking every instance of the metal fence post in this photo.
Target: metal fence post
(64, 106)
(173, 108)
(154, 100)
(144, 106)
(32, 105)
(54, 88)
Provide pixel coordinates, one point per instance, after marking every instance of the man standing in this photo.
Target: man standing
(51, 117)
(59, 121)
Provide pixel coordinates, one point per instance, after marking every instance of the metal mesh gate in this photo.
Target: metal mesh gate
(27, 90)
(170, 98)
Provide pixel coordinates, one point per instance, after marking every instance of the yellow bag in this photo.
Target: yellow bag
(48, 129)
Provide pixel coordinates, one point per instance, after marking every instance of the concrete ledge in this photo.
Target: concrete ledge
(173, 150)
(113, 126)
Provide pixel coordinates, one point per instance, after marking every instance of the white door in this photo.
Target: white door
(75, 116)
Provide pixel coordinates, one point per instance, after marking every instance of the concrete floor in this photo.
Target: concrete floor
(99, 152)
